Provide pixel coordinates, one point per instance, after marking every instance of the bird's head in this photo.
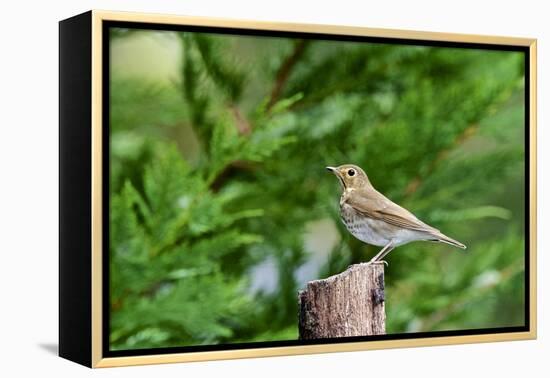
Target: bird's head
(350, 176)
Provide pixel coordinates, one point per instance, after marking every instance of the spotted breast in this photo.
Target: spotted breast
(363, 228)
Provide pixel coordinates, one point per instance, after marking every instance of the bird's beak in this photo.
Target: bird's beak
(337, 174)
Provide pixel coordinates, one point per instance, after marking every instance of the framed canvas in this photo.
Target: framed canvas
(198, 220)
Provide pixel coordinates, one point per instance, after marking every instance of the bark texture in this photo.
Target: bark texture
(347, 304)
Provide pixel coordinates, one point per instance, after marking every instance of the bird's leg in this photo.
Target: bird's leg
(386, 253)
(387, 249)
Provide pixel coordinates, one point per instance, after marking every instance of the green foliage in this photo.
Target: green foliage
(167, 246)
(217, 180)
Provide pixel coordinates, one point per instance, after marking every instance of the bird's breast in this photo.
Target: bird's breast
(368, 230)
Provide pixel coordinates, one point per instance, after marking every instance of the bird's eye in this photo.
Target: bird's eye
(351, 172)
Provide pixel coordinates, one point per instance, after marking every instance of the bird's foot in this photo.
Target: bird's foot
(379, 262)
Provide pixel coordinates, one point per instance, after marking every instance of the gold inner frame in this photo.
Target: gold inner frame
(97, 49)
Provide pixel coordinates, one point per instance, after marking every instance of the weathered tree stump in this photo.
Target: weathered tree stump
(347, 304)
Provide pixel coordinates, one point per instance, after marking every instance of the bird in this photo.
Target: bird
(374, 219)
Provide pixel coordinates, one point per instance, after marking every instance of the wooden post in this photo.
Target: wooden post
(347, 304)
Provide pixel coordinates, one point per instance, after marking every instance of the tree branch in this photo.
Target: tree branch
(437, 317)
(415, 183)
(230, 170)
(284, 71)
(243, 126)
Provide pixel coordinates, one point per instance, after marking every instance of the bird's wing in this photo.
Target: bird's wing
(373, 204)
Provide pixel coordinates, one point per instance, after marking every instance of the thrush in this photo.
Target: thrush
(374, 219)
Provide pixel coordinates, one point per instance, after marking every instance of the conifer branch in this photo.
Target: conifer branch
(285, 70)
(243, 125)
(437, 317)
(416, 182)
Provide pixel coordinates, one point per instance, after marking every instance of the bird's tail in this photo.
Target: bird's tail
(439, 237)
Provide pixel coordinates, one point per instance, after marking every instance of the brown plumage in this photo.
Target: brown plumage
(374, 219)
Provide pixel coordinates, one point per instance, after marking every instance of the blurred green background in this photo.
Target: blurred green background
(221, 209)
